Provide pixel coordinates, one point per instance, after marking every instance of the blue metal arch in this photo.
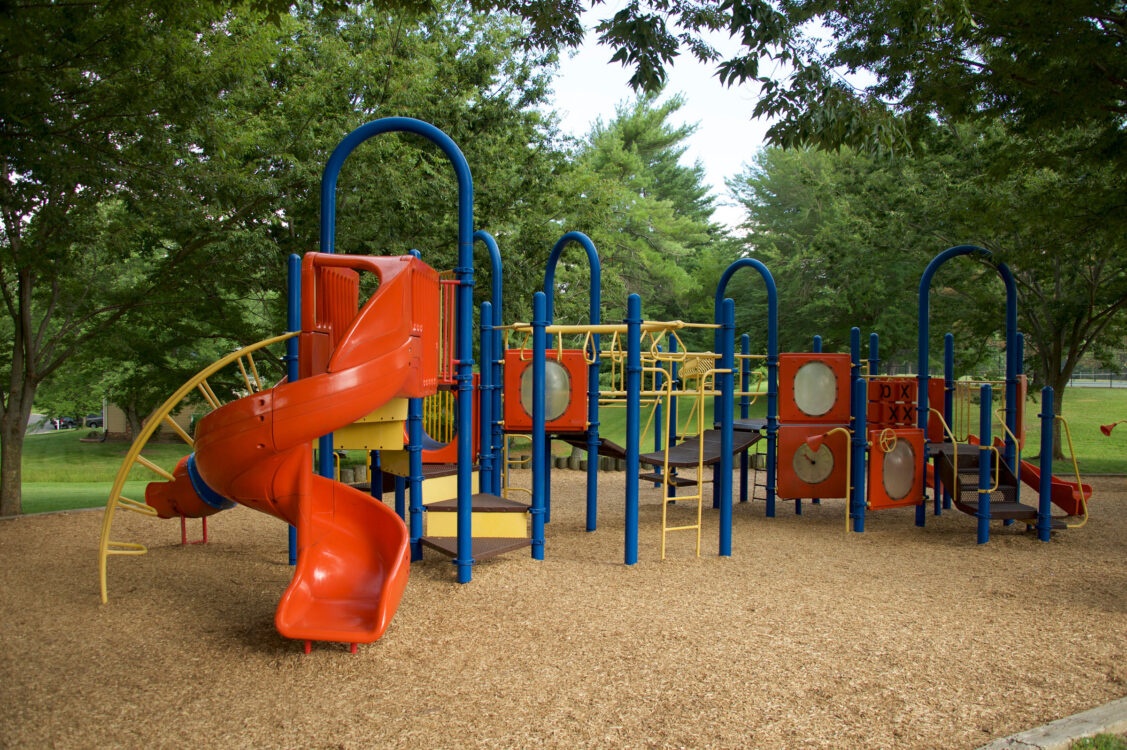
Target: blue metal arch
(772, 359)
(596, 274)
(594, 317)
(923, 362)
(463, 298)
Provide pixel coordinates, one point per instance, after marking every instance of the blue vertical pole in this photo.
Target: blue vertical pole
(772, 398)
(293, 323)
(727, 391)
(860, 399)
(947, 407)
(414, 472)
(1044, 489)
(633, 396)
(593, 435)
(375, 475)
(984, 421)
(818, 350)
(485, 408)
(745, 405)
(401, 511)
(539, 354)
(858, 427)
(874, 354)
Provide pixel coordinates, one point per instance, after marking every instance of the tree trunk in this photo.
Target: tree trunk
(132, 420)
(11, 467)
(13, 428)
(1058, 408)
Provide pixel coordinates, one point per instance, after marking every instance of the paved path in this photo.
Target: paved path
(1110, 718)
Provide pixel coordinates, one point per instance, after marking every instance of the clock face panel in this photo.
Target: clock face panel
(802, 472)
(813, 467)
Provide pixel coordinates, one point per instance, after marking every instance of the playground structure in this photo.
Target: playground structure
(395, 377)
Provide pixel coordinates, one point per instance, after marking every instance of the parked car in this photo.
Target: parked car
(93, 420)
(65, 423)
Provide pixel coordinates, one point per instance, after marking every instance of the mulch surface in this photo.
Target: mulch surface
(900, 637)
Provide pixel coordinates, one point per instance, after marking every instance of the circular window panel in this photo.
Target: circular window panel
(557, 390)
(899, 470)
(815, 388)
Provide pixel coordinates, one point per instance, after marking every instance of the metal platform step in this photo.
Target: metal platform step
(481, 547)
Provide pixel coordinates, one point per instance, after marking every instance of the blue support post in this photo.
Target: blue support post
(415, 473)
(401, 511)
(985, 419)
(817, 350)
(485, 407)
(633, 397)
(727, 392)
(1044, 504)
(857, 503)
(375, 476)
(948, 407)
(593, 436)
(745, 406)
(874, 354)
(539, 350)
(857, 429)
(293, 323)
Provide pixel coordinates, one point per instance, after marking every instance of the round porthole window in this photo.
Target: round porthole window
(557, 390)
(899, 470)
(815, 388)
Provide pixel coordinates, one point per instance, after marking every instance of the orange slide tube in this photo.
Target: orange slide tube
(353, 557)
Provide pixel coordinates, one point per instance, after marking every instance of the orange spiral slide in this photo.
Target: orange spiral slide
(353, 557)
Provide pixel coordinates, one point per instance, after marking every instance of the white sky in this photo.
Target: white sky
(589, 87)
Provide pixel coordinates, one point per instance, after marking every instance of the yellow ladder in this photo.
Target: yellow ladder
(699, 369)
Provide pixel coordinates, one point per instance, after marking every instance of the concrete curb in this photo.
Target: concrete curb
(1110, 718)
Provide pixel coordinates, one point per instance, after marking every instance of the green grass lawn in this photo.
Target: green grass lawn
(1086, 409)
(61, 473)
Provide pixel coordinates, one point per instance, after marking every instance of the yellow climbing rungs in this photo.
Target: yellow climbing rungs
(154, 468)
(133, 505)
(125, 548)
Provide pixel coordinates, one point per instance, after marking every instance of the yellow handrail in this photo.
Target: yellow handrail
(1076, 469)
(107, 547)
(954, 448)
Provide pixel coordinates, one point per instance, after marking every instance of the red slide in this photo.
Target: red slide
(353, 556)
(1068, 496)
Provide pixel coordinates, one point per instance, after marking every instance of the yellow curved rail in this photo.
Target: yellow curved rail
(160, 416)
(1076, 469)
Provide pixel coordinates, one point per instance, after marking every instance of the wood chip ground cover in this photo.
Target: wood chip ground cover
(900, 637)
